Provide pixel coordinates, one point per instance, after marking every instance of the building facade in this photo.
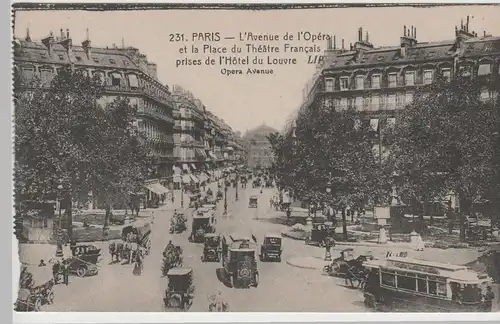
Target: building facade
(379, 82)
(125, 72)
(259, 153)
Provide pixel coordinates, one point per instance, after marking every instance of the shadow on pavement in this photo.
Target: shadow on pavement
(274, 220)
(222, 277)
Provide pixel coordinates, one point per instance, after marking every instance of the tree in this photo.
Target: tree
(332, 150)
(67, 145)
(443, 143)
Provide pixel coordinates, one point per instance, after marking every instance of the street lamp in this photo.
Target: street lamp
(237, 177)
(225, 198)
(59, 248)
(182, 193)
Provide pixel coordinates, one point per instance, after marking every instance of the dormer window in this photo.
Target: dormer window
(43, 56)
(376, 81)
(360, 82)
(344, 83)
(410, 78)
(428, 76)
(112, 61)
(78, 58)
(329, 84)
(96, 60)
(484, 69)
(125, 62)
(446, 74)
(116, 79)
(393, 80)
(61, 57)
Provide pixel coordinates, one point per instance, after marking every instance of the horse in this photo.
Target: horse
(116, 250)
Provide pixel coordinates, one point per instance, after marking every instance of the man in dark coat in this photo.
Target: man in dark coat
(488, 299)
(65, 272)
(55, 271)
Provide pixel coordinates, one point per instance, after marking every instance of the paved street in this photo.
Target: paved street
(281, 288)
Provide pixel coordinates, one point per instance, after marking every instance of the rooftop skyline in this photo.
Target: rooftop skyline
(244, 102)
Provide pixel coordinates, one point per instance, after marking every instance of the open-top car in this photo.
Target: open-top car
(211, 248)
(271, 247)
(319, 232)
(238, 260)
(346, 262)
(202, 224)
(178, 222)
(180, 290)
(253, 202)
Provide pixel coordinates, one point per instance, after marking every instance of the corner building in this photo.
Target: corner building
(125, 72)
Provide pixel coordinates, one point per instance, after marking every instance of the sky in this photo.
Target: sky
(247, 101)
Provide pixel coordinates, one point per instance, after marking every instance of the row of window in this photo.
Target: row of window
(423, 284)
(153, 131)
(114, 79)
(394, 79)
(385, 102)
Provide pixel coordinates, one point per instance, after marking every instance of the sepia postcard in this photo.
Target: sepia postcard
(256, 158)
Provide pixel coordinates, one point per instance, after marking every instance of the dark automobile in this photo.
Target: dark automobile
(271, 248)
(253, 202)
(83, 263)
(211, 248)
(180, 290)
(202, 223)
(240, 265)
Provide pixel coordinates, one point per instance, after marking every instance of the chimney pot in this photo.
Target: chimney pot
(342, 43)
(62, 33)
(334, 42)
(404, 29)
(415, 36)
(67, 33)
(367, 37)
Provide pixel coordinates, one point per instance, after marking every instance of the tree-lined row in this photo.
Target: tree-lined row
(68, 146)
(446, 141)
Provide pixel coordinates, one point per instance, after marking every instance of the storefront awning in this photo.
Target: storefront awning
(186, 178)
(201, 153)
(193, 166)
(177, 178)
(185, 167)
(212, 155)
(157, 188)
(194, 178)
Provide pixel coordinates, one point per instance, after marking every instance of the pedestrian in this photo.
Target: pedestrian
(488, 299)
(55, 271)
(42, 263)
(65, 272)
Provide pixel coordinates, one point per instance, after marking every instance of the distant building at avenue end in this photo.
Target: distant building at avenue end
(181, 134)
(260, 154)
(380, 81)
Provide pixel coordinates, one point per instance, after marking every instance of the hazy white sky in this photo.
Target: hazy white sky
(249, 100)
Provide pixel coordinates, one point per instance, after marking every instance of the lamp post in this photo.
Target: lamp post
(182, 193)
(237, 177)
(59, 248)
(225, 198)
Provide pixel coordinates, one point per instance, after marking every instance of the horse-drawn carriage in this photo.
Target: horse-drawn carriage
(134, 237)
(346, 265)
(35, 289)
(179, 293)
(172, 258)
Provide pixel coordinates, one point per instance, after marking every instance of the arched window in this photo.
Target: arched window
(28, 73)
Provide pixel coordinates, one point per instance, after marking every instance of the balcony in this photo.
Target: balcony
(177, 127)
(176, 114)
(156, 115)
(139, 91)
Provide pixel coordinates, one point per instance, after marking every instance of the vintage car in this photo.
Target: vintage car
(319, 233)
(211, 248)
(202, 223)
(238, 260)
(83, 263)
(413, 285)
(194, 197)
(346, 262)
(35, 289)
(271, 248)
(178, 223)
(253, 202)
(179, 293)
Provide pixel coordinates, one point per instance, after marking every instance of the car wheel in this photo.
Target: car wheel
(81, 271)
(50, 297)
(37, 304)
(256, 280)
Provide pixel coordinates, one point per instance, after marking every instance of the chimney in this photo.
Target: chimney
(86, 45)
(362, 45)
(48, 41)
(67, 33)
(334, 42)
(343, 44)
(329, 44)
(407, 40)
(463, 33)
(66, 42)
(62, 34)
(152, 70)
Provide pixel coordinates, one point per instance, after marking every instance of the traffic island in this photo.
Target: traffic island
(308, 262)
